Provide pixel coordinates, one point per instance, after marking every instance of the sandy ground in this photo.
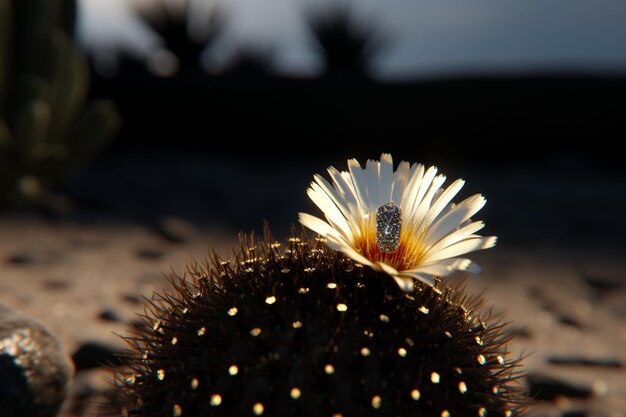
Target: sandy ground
(563, 289)
(562, 304)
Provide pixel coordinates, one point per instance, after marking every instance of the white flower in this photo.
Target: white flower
(401, 223)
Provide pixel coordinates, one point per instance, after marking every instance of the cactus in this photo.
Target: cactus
(301, 330)
(47, 130)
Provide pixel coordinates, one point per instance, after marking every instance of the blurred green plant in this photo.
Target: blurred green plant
(47, 128)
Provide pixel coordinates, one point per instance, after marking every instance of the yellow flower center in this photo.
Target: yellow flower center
(411, 251)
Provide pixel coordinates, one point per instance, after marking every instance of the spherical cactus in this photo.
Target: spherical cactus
(301, 330)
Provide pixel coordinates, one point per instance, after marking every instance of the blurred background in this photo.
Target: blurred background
(137, 133)
(222, 110)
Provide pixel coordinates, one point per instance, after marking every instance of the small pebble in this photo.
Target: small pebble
(149, 253)
(570, 321)
(32, 258)
(604, 284)
(131, 298)
(94, 355)
(574, 413)
(56, 284)
(582, 361)
(543, 387)
(110, 315)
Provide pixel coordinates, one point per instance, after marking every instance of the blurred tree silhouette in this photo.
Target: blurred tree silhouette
(447, 118)
(346, 44)
(186, 32)
(46, 131)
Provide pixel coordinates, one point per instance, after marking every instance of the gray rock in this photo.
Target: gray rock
(35, 370)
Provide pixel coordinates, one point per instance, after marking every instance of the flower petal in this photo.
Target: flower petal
(405, 283)
(316, 224)
(357, 257)
(331, 211)
(467, 265)
(340, 201)
(372, 175)
(456, 236)
(400, 179)
(424, 205)
(455, 217)
(388, 269)
(446, 267)
(438, 269)
(343, 184)
(386, 179)
(440, 203)
(360, 184)
(423, 277)
(462, 247)
(444, 231)
(415, 178)
(420, 189)
(322, 228)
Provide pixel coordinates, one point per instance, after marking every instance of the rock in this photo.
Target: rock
(582, 361)
(54, 284)
(131, 299)
(149, 253)
(33, 258)
(93, 355)
(604, 284)
(35, 371)
(574, 413)
(567, 320)
(110, 315)
(543, 387)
